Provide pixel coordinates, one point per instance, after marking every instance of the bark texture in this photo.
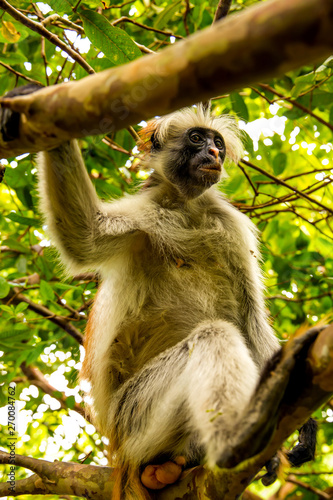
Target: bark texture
(264, 41)
(298, 383)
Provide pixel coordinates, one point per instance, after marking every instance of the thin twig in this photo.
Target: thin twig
(303, 299)
(60, 72)
(148, 28)
(41, 30)
(143, 48)
(16, 297)
(321, 494)
(133, 133)
(249, 179)
(18, 74)
(282, 183)
(186, 13)
(296, 104)
(119, 6)
(76, 6)
(55, 19)
(44, 59)
(36, 377)
(222, 9)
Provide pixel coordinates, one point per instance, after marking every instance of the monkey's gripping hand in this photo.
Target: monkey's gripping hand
(303, 452)
(10, 120)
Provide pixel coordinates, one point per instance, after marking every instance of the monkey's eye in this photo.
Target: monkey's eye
(196, 138)
(218, 143)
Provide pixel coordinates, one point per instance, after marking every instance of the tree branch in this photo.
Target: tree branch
(286, 185)
(297, 384)
(16, 297)
(18, 74)
(41, 30)
(298, 105)
(222, 9)
(125, 19)
(320, 494)
(36, 377)
(257, 44)
(59, 478)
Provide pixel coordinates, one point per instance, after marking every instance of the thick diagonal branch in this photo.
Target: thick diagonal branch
(298, 383)
(264, 41)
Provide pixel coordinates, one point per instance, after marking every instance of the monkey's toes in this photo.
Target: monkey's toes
(156, 477)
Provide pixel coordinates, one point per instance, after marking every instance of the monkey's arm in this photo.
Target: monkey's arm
(86, 231)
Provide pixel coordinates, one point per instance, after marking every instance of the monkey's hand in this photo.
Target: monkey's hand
(303, 452)
(156, 477)
(10, 120)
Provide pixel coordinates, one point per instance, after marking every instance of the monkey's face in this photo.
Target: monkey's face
(194, 160)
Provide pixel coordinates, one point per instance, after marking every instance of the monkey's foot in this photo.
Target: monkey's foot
(156, 477)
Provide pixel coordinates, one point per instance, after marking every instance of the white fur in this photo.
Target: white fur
(180, 330)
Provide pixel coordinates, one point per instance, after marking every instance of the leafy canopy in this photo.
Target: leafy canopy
(284, 184)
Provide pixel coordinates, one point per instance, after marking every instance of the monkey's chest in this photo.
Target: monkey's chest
(187, 288)
(169, 290)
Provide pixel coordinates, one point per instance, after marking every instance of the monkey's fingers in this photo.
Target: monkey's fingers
(272, 467)
(156, 477)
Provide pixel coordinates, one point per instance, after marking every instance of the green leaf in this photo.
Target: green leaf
(64, 286)
(302, 241)
(26, 221)
(24, 195)
(279, 163)
(46, 291)
(4, 288)
(17, 177)
(13, 58)
(16, 245)
(9, 309)
(35, 353)
(239, 106)
(14, 337)
(331, 116)
(22, 306)
(302, 83)
(70, 402)
(62, 6)
(117, 46)
(21, 264)
(164, 17)
(248, 142)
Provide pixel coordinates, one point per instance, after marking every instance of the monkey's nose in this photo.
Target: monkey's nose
(214, 152)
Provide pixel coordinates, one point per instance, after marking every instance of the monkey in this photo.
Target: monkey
(179, 334)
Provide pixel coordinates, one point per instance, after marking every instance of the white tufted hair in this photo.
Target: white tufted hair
(175, 124)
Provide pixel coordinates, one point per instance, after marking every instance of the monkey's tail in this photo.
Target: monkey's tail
(127, 484)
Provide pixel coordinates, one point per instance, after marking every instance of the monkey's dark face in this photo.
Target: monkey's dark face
(195, 160)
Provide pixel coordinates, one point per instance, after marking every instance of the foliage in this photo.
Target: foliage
(284, 185)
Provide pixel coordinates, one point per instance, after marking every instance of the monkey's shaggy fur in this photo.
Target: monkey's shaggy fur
(178, 334)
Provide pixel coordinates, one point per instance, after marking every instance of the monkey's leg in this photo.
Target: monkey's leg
(188, 399)
(224, 379)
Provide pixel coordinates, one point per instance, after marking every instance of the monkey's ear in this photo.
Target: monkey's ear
(148, 139)
(155, 144)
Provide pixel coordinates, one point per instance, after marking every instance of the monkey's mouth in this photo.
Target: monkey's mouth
(211, 168)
